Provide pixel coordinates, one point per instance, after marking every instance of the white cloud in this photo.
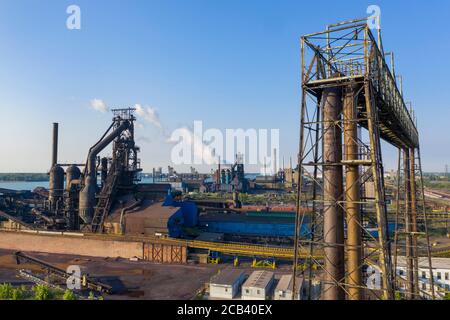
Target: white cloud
(149, 114)
(99, 105)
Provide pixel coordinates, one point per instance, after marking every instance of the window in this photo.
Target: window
(247, 291)
(226, 289)
(446, 276)
(424, 275)
(439, 276)
(258, 292)
(424, 286)
(400, 272)
(447, 287)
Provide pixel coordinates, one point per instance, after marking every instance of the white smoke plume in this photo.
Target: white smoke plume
(149, 114)
(190, 147)
(99, 105)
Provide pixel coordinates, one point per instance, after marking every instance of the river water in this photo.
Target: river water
(30, 185)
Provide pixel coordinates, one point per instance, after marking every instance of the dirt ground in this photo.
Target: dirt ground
(129, 279)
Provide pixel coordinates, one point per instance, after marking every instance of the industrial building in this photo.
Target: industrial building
(441, 275)
(230, 177)
(226, 284)
(350, 89)
(258, 286)
(283, 290)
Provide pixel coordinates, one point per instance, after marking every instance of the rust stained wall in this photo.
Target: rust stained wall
(70, 245)
(163, 253)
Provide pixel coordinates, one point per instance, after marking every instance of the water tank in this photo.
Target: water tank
(56, 185)
(72, 173)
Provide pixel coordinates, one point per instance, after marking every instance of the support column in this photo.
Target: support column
(408, 229)
(333, 227)
(352, 197)
(415, 252)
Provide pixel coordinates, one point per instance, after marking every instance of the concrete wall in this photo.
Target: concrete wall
(30, 242)
(85, 246)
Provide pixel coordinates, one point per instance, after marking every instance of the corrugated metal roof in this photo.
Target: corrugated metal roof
(285, 283)
(259, 279)
(437, 263)
(226, 277)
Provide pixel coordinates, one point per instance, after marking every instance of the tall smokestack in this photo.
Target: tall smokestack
(55, 144)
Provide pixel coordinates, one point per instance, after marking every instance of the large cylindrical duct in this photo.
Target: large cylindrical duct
(56, 186)
(352, 197)
(333, 227)
(72, 173)
(87, 200)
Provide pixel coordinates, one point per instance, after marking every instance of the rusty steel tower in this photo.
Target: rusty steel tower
(350, 102)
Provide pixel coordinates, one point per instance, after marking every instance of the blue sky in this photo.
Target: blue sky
(231, 64)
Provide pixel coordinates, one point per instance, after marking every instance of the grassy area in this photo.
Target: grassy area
(38, 292)
(434, 181)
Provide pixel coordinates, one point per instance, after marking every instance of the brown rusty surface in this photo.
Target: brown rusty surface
(130, 279)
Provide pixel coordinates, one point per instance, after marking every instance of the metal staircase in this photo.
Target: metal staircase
(106, 197)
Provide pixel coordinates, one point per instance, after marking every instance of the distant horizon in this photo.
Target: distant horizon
(231, 64)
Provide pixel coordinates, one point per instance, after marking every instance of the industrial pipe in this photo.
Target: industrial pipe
(352, 197)
(333, 227)
(87, 194)
(103, 144)
(56, 180)
(409, 249)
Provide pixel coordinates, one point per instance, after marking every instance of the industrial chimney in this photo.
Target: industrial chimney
(55, 144)
(56, 182)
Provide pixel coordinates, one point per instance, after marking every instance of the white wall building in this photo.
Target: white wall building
(258, 286)
(283, 290)
(441, 276)
(226, 284)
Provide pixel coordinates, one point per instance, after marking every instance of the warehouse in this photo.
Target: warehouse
(258, 286)
(225, 285)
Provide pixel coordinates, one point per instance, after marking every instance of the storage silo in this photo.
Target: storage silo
(72, 173)
(56, 185)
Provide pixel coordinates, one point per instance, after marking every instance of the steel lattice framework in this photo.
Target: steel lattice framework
(350, 101)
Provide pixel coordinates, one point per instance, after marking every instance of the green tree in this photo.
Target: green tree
(447, 296)
(5, 291)
(41, 292)
(17, 294)
(69, 295)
